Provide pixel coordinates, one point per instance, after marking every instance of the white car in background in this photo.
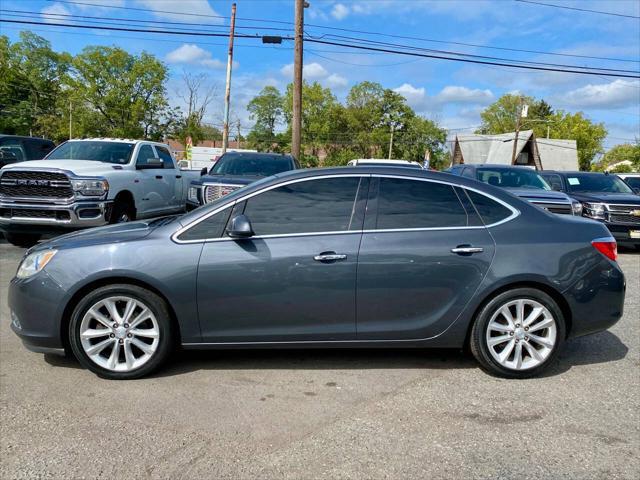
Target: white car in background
(384, 163)
(631, 179)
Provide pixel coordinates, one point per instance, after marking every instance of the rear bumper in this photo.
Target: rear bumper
(42, 218)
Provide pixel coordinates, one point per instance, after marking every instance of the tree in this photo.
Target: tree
(620, 153)
(267, 109)
(197, 93)
(589, 136)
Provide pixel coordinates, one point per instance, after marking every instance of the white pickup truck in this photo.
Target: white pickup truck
(87, 183)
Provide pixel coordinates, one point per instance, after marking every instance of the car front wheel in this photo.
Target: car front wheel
(121, 332)
(518, 333)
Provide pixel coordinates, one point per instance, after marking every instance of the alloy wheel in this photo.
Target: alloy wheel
(521, 334)
(119, 333)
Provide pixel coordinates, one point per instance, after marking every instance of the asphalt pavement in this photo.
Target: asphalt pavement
(325, 414)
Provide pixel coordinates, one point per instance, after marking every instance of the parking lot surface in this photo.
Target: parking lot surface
(325, 414)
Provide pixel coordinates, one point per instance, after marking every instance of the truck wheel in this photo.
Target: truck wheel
(122, 212)
(24, 240)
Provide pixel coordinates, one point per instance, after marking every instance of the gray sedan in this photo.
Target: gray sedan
(345, 257)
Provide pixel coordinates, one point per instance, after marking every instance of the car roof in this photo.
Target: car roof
(562, 172)
(26, 137)
(257, 155)
(116, 140)
(494, 166)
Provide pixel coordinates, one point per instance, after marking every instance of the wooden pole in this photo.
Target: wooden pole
(227, 94)
(296, 127)
(515, 140)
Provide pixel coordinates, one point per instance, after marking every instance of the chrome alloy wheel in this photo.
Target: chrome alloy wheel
(119, 333)
(521, 334)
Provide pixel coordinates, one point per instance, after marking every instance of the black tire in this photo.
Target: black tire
(122, 212)
(478, 342)
(157, 306)
(23, 240)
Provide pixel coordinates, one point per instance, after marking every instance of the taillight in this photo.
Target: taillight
(606, 246)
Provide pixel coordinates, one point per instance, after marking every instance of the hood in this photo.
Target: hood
(621, 198)
(532, 194)
(230, 179)
(77, 167)
(119, 233)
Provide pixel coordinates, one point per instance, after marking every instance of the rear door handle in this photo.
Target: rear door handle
(466, 249)
(178, 176)
(159, 177)
(329, 257)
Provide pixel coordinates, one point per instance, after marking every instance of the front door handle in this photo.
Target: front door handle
(159, 177)
(178, 176)
(329, 257)
(466, 250)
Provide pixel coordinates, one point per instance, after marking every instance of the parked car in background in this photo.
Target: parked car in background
(604, 197)
(234, 170)
(14, 149)
(325, 258)
(381, 162)
(631, 179)
(87, 183)
(523, 182)
(206, 157)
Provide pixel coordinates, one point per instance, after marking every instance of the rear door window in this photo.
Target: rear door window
(164, 154)
(406, 203)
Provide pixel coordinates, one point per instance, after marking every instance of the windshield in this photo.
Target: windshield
(596, 183)
(109, 152)
(258, 166)
(513, 178)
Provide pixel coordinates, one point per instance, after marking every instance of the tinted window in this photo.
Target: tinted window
(554, 180)
(37, 149)
(110, 152)
(490, 210)
(418, 204)
(13, 149)
(251, 165)
(164, 154)
(145, 153)
(512, 178)
(212, 227)
(598, 182)
(324, 205)
(468, 172)
(633, 182)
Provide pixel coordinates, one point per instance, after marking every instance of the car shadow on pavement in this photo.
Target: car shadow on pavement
(594, 349)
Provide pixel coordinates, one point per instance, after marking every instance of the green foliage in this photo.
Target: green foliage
(500, 117)
(620, 153)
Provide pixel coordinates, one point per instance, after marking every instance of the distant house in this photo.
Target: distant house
(540, 153)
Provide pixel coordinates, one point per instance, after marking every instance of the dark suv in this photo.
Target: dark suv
(15, 149)
(234, 170)
(605, 198)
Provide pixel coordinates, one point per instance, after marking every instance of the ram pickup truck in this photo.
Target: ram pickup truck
(605, 198)
(88, 183)
(234, 170)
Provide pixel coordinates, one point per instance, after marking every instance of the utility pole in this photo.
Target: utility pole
(391, 142)
(296, 127)
(227, 94)
(70, 119)
(238, 133)
(515, 141)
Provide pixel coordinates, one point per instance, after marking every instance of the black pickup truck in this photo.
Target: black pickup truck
(605, 198)
(234, 170)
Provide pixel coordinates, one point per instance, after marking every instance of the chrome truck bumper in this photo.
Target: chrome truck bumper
(22, 216)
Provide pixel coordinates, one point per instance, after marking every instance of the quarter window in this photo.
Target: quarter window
(211, 227)
(418, 204)
(164, 154)
(324, 205)
(490, 210)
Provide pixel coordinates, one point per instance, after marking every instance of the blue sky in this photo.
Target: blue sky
(451, 93)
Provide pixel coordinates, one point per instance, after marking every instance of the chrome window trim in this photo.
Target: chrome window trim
(514, 212)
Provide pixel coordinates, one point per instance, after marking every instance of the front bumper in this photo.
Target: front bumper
(622, 233)
(31, 217)
(35, 308)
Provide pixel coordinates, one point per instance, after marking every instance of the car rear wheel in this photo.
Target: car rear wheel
(23, 240)
(121, 332)
(518, 333)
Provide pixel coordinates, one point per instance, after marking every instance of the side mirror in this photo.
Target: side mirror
(203, 172)
(150, 164)
(240, 227)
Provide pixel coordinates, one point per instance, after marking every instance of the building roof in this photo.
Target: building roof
(558, 154)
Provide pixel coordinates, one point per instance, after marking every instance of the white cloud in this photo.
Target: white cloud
(193, 54)
(310, 71)
(455, 94)
(339, 11)
(336, 81)
(197, 7)
(617, 94)
(415, 96)
(55, 9)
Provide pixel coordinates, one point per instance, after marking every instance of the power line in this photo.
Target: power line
(566, 7)
(519, 64)
(326, 27)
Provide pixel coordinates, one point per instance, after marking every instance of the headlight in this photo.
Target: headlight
(90, 187)
(34, 262)
(576, 207)
(594, 210)
(193, 194)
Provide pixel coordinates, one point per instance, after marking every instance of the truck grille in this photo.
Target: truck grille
(559, 208)
(22, 184)
(627, 214)
(214, 192)
(34, 213)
